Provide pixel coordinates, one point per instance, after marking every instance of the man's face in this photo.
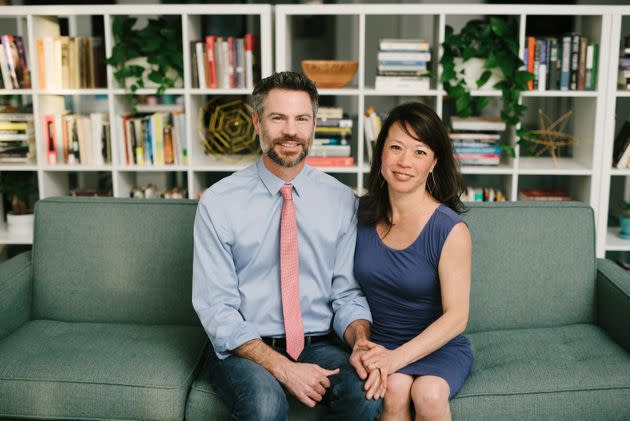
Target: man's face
(286, 127)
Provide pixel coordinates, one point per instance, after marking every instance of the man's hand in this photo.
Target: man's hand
(307, 382)
(375, 380)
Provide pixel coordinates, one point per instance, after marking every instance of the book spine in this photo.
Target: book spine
(212, 66)
(565, 72)
(26, 74)
(575, 57)
(531, 49)
(581, 73)
(250, 43)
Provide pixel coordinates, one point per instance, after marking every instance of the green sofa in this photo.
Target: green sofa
(97, 322)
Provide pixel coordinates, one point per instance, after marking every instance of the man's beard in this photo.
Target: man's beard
(283, 161)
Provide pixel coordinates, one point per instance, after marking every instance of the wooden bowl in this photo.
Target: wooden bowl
(330, 73)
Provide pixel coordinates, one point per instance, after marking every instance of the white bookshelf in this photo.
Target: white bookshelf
(586, 174)
(615, 183)
(360, 26)
(33, 22)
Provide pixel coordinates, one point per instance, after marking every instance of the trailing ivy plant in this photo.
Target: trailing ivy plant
(159, 41)
(496, 42)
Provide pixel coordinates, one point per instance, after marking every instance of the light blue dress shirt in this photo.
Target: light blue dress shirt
(236, 268)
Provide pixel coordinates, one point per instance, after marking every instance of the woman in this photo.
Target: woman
(413, 261)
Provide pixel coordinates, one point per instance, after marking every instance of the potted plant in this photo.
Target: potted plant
(18, 188)
(147, 57)
(495, 43)
(624, 219)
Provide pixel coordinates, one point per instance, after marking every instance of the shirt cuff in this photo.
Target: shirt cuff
(344, 316)
(241, 333)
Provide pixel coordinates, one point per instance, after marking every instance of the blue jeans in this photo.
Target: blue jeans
(254, 394)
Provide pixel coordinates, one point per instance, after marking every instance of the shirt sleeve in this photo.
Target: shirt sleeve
(215, 293)
(348, 302)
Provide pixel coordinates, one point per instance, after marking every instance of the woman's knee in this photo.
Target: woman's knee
(430, 396)
(397, 397)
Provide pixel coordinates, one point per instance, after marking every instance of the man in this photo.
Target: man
(267, 305)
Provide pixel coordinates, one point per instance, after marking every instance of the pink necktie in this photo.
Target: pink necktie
(289, 269)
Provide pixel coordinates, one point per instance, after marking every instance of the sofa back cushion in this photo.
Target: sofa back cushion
(533, 265)
(113, 260)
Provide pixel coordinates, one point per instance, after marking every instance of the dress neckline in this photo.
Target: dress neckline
(414, 241)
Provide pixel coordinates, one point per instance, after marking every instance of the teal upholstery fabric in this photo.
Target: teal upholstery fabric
(561, 373)
(113, 260)
(533, 265)
(15, 293)
(204, 404)
(613, 299)
(56, 369)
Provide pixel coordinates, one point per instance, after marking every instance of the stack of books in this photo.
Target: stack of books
(624, 67)
(224, 62)
(543, 195)
(13, 65)
(565, 63)
(16, 137)
(157, 138)
(70, 62)
(77, 139)
(476, 140)
(403, 64)
(331, 144)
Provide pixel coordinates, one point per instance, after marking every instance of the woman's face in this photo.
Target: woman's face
(406, 162)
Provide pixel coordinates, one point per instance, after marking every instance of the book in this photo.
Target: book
(477, 123)
(333, 161)
(621, 147)
(396, 56)
(402, 82)
(402, 44)
(543, 194)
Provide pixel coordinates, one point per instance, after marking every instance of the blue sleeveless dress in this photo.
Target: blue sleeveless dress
(403, 290)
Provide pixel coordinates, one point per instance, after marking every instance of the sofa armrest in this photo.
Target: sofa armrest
(613, 301)
(15, 292)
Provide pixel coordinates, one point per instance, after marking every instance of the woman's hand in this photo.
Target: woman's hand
(380, 363)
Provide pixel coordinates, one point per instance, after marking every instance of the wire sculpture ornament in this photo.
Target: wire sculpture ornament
(225, 127)
(550, 136)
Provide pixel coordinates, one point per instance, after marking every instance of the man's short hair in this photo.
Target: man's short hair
(284, 80)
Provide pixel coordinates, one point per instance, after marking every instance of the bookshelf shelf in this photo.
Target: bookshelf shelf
(379, 92)
(9, 238)
(77, 168)
(614, 242)
(623, 94)
(16, 92)
(498, 170)
(96, 91)
(564, 166)
(561, 94)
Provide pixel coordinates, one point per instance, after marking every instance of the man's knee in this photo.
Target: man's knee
(265, 404)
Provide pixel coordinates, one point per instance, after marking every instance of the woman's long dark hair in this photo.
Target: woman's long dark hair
(445, 184)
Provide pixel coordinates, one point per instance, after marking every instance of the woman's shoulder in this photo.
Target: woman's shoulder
(448, 215)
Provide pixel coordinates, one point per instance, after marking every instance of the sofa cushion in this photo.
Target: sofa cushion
(98, 371)
(570, 372)
(517, 264)
(204, 404)
(114, 260)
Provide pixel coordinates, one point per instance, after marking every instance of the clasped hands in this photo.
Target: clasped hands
(373, 364)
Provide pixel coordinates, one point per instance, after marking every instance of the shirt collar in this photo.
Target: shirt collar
(273, 183)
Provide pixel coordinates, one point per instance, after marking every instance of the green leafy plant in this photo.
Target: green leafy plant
(159, 41)
(18, 187)
(624, 208)
(496, 42)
